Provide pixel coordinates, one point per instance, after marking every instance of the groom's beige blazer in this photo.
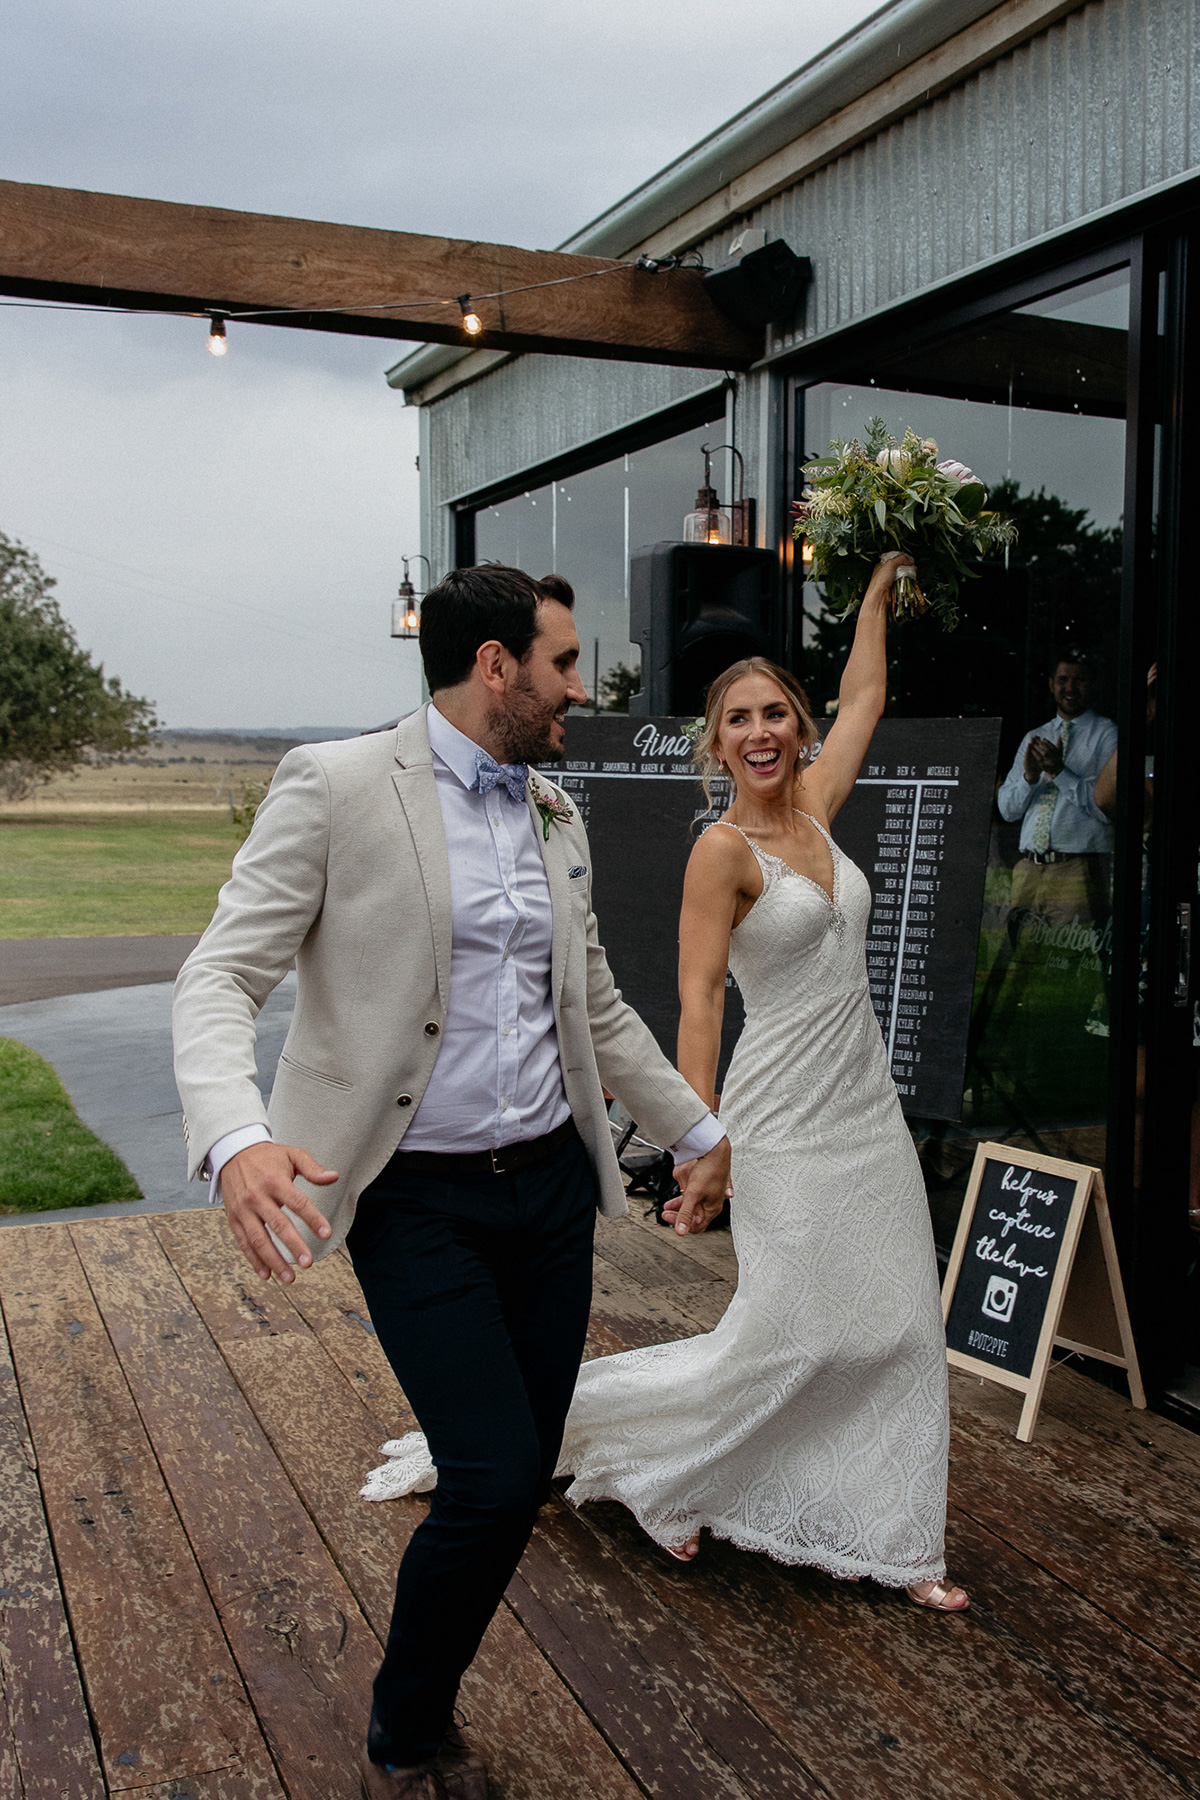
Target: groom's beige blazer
(346, 873)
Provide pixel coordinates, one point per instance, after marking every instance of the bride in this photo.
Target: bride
(813, 1422)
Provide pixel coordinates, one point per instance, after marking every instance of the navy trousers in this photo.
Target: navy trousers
(479, 1289)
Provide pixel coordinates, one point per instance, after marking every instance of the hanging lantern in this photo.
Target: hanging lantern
(406, 613)
(406, 617)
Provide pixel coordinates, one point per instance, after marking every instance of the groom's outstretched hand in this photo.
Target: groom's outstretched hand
(256, 1185)
(706, 1187)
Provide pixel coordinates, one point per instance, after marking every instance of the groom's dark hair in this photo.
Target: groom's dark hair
(469, 607)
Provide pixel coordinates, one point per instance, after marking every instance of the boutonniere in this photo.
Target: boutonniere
(552, 808)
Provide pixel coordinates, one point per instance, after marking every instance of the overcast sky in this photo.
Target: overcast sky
(227, 533)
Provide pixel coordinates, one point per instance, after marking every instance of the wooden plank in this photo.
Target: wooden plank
(625, 1316)
(1150, 1586)
(992, 1703)
(291, 1621)
(1139, 1492)
(46, 1746)
(698, 1306)
(848, 1720)
(1148, 1446)
(111, 250)
(231, 1299)
(331, 1303)
(1107, 1672)
(712, 1248)
(654, 1262)
(163, 1690)
(257, 1781)
(1000, 1714)
(326, 1432)
(660, 1698)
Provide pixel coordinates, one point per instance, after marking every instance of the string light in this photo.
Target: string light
(218, 343)
(472, 322)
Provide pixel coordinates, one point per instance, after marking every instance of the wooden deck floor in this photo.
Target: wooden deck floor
(191, 1594)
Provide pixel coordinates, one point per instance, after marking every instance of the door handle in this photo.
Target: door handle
(1183, 977)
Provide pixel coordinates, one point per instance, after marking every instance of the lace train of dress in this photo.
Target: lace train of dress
(813, 1422)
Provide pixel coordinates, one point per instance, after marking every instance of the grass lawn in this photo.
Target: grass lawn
(48, 1157)
(111, 875)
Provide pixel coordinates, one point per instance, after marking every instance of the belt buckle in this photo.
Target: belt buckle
(497, 1168)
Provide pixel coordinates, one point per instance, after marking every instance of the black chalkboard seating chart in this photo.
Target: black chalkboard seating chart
(1034, 1268)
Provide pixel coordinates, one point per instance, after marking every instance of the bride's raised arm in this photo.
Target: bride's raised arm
(830, 779)
(712, 889)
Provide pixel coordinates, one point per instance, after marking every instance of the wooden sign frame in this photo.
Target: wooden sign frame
(1085, 1310)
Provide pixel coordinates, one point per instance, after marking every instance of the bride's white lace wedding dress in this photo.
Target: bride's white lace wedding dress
(813, 1422)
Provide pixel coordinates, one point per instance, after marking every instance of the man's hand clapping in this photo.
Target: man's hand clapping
(706, 1187)
(256, 1185)
(1042, 758)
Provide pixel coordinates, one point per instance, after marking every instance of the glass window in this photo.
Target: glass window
(584, 528)
(1033, 400)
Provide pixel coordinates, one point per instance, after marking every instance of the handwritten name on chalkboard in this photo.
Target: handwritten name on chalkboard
(1013, 1241)
(917, 825)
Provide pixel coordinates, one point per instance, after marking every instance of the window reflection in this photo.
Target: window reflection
(586, 527)
(1034, 401)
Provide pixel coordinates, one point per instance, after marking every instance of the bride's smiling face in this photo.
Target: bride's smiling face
(759, 736)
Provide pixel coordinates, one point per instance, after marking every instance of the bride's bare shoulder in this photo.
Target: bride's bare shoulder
(720, 851)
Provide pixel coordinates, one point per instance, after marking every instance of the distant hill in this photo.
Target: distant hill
(244, 734)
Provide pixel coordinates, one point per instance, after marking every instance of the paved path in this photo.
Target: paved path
(37, 968)
(112, 1051)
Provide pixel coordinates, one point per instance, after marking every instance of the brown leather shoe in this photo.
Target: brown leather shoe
(420, 1783)
(462, 1770)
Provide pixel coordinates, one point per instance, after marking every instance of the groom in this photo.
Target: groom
(455, 1020)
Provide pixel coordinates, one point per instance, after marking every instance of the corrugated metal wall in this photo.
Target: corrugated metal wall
(538, 407)
(1102, 106)
(1098, 108)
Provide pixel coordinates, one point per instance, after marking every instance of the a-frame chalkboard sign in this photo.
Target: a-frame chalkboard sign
(1034, 1267)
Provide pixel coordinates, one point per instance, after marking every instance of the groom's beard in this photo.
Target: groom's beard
(523, 726)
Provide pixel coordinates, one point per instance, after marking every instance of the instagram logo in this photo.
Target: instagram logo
(1000, 1298)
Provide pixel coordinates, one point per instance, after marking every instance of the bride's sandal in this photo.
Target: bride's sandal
(939, 1596)
(684, 1553)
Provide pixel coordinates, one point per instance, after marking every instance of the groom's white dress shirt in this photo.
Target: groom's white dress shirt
(497, 1079)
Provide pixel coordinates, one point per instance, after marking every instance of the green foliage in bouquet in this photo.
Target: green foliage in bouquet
(863, 502)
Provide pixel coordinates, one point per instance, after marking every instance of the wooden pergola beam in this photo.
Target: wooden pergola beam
(109, 250)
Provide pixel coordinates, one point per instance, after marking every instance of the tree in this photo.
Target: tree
(56, 705)
(616, 687)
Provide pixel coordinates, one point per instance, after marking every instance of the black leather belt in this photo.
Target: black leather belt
(508, 1160)
(1048, 857)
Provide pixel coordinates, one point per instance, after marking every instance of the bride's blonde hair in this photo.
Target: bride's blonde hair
(705, 755)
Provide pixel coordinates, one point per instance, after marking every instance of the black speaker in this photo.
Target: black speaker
(694, 609)
(761, 286)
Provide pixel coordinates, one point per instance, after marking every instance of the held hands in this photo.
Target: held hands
(256, 1185)
(706, 1187)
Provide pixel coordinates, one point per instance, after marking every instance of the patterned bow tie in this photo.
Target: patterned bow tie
(490, 774)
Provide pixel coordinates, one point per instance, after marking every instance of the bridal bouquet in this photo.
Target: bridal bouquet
(867, 501)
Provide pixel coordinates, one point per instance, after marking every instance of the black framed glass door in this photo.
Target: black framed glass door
(1034, 400)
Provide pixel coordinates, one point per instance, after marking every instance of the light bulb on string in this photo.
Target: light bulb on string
(472, 324)
(218, 343)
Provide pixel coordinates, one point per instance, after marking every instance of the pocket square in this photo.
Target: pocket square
(575, 873)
